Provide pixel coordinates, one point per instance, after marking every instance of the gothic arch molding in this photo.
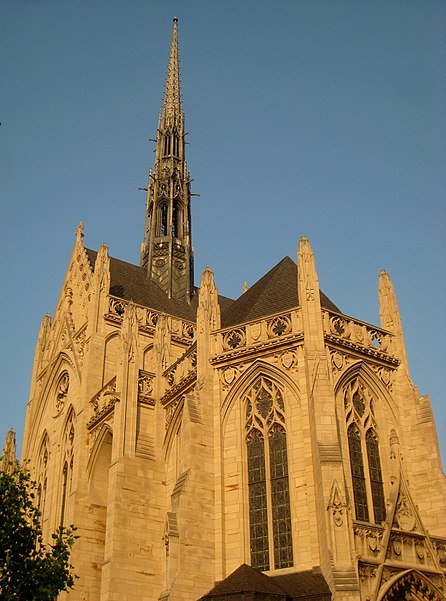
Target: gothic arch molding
(411, 585)
(259, 368)
(363, 372)
(104, 431)
(147, 356)
(63, 363)
(174, 424)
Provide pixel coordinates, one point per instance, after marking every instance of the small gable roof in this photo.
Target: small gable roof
(245, 579)
(249, 582)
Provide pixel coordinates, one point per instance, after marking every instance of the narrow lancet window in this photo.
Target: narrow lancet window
(358, 477)
(280, 498)
(258, 522)
(376, 480)
(163, 219)
(64, 494)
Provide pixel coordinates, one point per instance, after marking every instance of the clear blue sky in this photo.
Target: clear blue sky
(323, 118)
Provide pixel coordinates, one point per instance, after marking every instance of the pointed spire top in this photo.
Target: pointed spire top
(172, 97)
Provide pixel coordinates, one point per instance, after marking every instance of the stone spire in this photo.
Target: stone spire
(8, 458)
(166, 251)
(172, 96)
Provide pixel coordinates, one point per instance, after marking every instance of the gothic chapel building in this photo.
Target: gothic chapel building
(209, 448)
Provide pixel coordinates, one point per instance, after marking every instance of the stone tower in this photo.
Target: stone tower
(214, 448)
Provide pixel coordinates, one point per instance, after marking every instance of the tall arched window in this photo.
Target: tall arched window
(42, 477)
(363, 446)
(269, 497)
(68, 464)
(163, 214)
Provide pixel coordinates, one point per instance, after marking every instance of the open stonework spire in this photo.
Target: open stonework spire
(166, 251)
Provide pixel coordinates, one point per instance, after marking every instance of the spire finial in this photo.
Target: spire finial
(172, 97)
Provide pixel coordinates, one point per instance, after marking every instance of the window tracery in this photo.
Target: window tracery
(268, 484)
(363, 446)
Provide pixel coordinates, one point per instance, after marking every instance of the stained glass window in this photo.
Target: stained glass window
(269, 495)
(358, 477)
(280, 498)
(365, 465)
(376, 480)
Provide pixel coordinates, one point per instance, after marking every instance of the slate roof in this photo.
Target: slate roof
(245, 579)
(276, 291)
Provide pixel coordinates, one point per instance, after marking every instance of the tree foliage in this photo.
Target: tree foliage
(29, 569)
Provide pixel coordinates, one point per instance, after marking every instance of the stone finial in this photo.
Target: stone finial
(8, 459)
(80, 232)
(245, 288)
(306, 271)
(208, 306)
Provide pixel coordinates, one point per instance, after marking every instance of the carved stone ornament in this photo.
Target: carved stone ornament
(62, 391)
(396, 545)
(229, 375)
(145, 387)
(404, 515)
(337, 360)
(419, 549)
(287, 358)
(256, 330)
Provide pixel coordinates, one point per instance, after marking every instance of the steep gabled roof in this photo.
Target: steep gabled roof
(130, 282)
(245, 579)
(276, 291)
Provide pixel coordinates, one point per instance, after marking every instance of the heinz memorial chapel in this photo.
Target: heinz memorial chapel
(267, 447)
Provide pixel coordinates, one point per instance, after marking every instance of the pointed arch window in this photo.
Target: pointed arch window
(68, 465)
(363, 446)
(269, 497)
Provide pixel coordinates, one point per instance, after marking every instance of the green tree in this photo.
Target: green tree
(29, 569)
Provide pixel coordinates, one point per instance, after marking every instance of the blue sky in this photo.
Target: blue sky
(323, 118)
